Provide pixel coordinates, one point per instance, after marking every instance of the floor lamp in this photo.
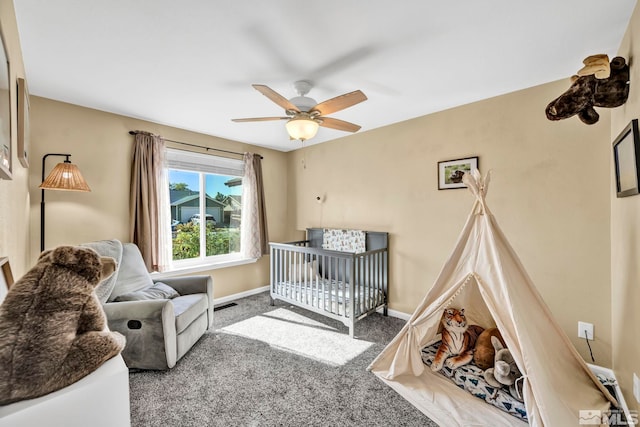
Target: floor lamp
(64, 176)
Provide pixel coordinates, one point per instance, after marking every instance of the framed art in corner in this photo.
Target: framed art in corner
(6, 278)
(450, 172)
(626, 154)
(5, 116)
(23, 123)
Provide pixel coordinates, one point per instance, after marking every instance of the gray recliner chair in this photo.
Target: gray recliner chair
(161, 319)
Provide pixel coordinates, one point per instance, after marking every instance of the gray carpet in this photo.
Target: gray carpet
(243, 372)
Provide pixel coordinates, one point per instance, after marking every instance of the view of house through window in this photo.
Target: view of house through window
(205, 214)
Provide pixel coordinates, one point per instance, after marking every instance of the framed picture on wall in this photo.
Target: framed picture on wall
(5, 116)
(626, 154)
(6, 278)
(450, 172)
(23, 123)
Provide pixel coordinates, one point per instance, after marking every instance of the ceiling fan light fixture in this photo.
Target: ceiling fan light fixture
(304, 115)
(302, 128)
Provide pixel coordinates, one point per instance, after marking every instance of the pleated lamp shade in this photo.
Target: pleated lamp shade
(65, 176)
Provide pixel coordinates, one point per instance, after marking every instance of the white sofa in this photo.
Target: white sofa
(81, 404)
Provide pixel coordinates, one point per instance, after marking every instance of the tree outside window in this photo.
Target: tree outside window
(204, 222)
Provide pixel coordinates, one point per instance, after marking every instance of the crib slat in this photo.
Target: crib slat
(303, 285)
(353, 290)
(379, 284)
(279, 270)
(340, 294)
(378, 279)
(337, 298)
(310, 287)
(298, 286)
(327, 285)
(324, 282)
(376, 285)
(360, 284)
(273, 271)
(367, 285)
(374, 279)
(332, 282)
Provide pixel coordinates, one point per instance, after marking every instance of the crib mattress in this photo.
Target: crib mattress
(470, 378)
(332, 291)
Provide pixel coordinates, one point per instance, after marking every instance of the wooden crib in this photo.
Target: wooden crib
(324, 281)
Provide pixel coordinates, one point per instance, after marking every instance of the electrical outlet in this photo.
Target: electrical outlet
(585, 327)
(636, 387)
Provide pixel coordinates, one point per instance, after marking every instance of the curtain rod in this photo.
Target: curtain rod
(133, 132)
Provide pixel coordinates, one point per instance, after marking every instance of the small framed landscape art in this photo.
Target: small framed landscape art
(450, 172)
(626, 153)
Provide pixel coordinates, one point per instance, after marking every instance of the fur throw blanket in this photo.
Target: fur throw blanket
(53, 330)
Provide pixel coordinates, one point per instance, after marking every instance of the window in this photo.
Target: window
(205, 195)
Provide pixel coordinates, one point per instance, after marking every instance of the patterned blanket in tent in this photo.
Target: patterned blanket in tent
(470, 378)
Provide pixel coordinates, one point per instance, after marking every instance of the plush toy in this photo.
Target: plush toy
(589, 89)
(484, 353)
(598, 65)
(505, 371)
(458, 340)
(52, 327)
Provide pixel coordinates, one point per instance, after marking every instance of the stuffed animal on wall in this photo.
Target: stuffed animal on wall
(590, 88)
(52, 328)
(505, 371)
(598, 65)
(484, 353)
(458, 340)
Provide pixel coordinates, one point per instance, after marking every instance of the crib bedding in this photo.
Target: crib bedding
(329, 291)
(470, 378)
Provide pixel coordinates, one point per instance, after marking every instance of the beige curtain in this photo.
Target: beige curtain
(149, 206)
(255, 236)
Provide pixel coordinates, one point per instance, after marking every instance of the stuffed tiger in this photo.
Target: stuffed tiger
(458, 340)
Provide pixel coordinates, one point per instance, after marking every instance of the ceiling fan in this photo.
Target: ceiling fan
(304, 115)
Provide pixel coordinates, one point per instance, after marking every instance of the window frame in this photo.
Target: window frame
(204, 262)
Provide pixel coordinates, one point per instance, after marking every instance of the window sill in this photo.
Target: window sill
(202, 267)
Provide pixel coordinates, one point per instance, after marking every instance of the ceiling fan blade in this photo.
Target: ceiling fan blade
(276, 97)
(340, 102)
(260, 119)
(340, 63)
(268, 42)
(332, 123)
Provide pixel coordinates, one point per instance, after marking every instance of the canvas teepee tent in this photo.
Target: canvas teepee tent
(484, 276)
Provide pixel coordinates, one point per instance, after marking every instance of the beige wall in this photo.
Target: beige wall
(549, 192)
(102, 148)
(14, 194)
(625, 238)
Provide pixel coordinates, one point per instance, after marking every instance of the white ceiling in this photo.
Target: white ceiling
(190, 64)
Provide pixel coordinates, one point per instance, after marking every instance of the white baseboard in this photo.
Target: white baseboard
(399, 314)
(224, 300)
(396, 313)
